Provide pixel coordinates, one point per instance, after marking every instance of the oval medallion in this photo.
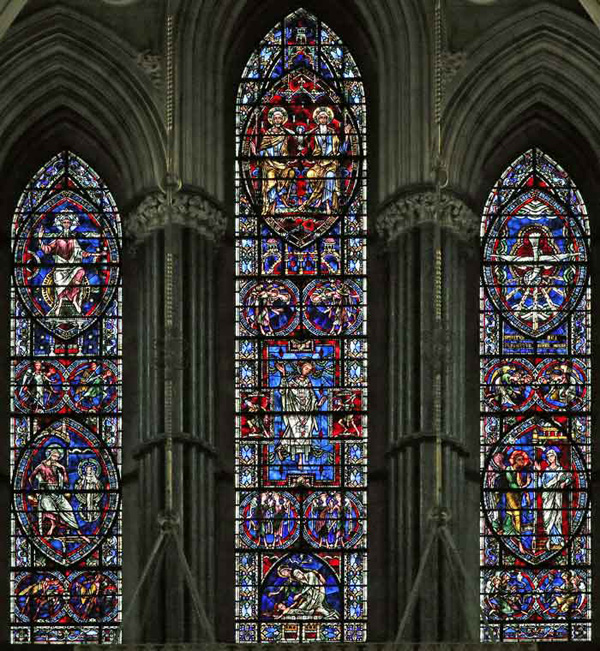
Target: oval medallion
(66, 264)
(534, 255)
(535, 490)
(66, 491)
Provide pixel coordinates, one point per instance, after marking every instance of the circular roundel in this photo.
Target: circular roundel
(39, 386)
(269, 519)
(333, 520)
(562, 592)
(333, 307)
(93, 596)
(66, 264)
(498, 585)
(66, 491)
(92, 385)
(269, 307)
(562, 383)
(524, 497)
(39, 596)
(507, 385)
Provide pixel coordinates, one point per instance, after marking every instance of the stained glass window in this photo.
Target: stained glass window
(66, 408)
(301, 350)
(535, 406)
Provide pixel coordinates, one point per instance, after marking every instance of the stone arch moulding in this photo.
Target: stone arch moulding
(57, 58)
(512, 72)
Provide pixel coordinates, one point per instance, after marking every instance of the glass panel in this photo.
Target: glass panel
(66, 408)
(301, 353)
(535, 407)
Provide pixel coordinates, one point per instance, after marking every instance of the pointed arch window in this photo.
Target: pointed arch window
(535, 406)
(301, 351)
(66, 408)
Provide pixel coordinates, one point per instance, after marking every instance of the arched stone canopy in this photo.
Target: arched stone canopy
(82, 76)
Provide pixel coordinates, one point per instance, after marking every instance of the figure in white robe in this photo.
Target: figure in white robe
(555, 478)
(309, 594)
(51, 479)
(299, 402)
(91, 490)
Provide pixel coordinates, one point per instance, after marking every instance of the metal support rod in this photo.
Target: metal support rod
(200, 611)
(414, 592)
(463, 570)
(158, 548)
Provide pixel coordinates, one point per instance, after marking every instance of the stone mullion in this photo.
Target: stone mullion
(426, 260)
(177, 240)
(428, 619)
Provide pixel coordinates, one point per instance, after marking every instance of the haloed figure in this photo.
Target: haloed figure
(68, 275)
(554, 478)
(51, 478)
(91, 489)
(299, 401)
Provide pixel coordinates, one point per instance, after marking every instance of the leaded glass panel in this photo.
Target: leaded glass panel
(66, 408)
(535, 406)
(301, 349)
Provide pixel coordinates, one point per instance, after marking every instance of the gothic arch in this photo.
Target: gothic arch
(76, 66)
(516, 75)
(391, 45)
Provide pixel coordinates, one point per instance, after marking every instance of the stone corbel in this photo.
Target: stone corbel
(189, 210)
(409, 211)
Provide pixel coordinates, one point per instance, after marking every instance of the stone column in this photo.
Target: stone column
(429, 243)
(175, 252)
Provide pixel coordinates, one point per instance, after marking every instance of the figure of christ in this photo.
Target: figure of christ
(68, 275)
(309, 595)
(552, 479)
(299, 401)
(323, 175)
(276, 173)
(51, 477)
(536, 261)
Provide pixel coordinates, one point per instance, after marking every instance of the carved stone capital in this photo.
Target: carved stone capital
(189, 210)
(410, 211)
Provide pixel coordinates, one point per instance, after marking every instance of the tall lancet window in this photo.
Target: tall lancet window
(66, 408)
(301, 351)
(535, 406)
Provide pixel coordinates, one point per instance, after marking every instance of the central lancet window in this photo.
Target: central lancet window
(66, 408)
(535, 406)
(301, 349)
